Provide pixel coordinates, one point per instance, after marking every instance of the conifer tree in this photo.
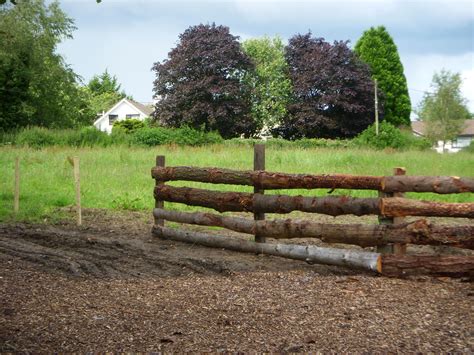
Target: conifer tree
(377, 48)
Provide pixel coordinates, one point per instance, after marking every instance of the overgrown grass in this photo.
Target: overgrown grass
(118, 177)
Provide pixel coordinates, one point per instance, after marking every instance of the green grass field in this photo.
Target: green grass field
(119, 177)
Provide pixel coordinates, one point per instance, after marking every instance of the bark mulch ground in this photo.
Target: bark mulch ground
(110, 287)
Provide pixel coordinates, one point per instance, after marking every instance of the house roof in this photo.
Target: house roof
(468, 130)
(147, 110)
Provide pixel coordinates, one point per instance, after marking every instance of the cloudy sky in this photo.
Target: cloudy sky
(128, 36)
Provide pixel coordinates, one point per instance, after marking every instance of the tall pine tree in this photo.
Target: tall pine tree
(377, 48)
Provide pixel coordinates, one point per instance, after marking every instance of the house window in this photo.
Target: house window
(112, 119)
(132, 115)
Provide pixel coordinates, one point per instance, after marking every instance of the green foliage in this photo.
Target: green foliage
(37, 87)
(390, 137)
(180, 136)
(129, 126)
(377, 48)
(269, 82)
(39, 137)
(469, 148)
(305, 143)
(105, 83)
(103, 92)
(126, 202)
(36, 137)
(444, 110)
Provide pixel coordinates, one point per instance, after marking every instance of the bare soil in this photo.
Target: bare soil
(110, 286)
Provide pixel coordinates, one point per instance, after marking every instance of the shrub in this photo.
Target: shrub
(304, 143)
(129, 126)
(91, 136)
(36, 137)
(151, 136)
(390, 137)
(469, 148)
(189, 136)
(181, 136)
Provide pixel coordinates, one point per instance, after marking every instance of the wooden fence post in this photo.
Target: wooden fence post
(259, 164)
(392, 248)
(160, 161)
(77, 182)
(399, 248)
(16, 199)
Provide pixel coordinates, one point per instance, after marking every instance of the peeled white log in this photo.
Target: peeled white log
(312, 254)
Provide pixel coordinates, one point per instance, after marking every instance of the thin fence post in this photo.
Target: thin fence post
(16, 199)
(259, 164)
(77, 182)
(160, 161)
(399, 248)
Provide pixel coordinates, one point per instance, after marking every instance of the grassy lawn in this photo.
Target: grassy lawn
(119, 177)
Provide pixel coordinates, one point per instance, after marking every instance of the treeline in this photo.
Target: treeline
(309, 88)
(37, 87)
(137, 133)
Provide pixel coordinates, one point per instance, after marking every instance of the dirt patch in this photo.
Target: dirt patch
(110, 286)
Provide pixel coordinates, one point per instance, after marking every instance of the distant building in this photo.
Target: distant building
(122, 110)
(462, 140)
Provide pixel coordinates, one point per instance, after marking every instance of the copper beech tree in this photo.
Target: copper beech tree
(201, 85)
(333, 94)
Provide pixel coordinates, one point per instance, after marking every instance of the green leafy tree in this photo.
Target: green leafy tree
(377, 48)
(103, 91)
(444, 110)
(36, 86)
(270, 84)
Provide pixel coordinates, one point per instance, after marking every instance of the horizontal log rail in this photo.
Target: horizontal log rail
(389, 265)
(271, 180)
(419, 232)
(330, 205)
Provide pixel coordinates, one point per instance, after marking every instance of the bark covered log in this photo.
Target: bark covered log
(420, 232)
(442, 265)
(312, 254)
(400, 207)
(389, 265)
(271, 180)
(330, 205)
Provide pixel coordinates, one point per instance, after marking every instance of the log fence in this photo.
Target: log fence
(391, 235)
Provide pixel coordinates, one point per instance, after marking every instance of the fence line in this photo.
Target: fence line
(391, 206)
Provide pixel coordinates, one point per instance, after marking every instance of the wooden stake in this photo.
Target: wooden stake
(376, 109)
(77, 181)
(259, 164)
(16, 202)
(399, 248)
(160, 161)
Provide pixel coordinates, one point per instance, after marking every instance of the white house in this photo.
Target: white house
(462, 140)
(122, 110)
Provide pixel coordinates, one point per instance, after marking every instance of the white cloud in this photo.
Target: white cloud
(419, 70)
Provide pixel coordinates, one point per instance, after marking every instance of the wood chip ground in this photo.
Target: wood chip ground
(109, 287)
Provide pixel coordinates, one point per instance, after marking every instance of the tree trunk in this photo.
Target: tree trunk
(312, 254)
(443, 265)
(420, 232)
(400, 207)
(269, 180)
(389, 265)
(330, 205)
